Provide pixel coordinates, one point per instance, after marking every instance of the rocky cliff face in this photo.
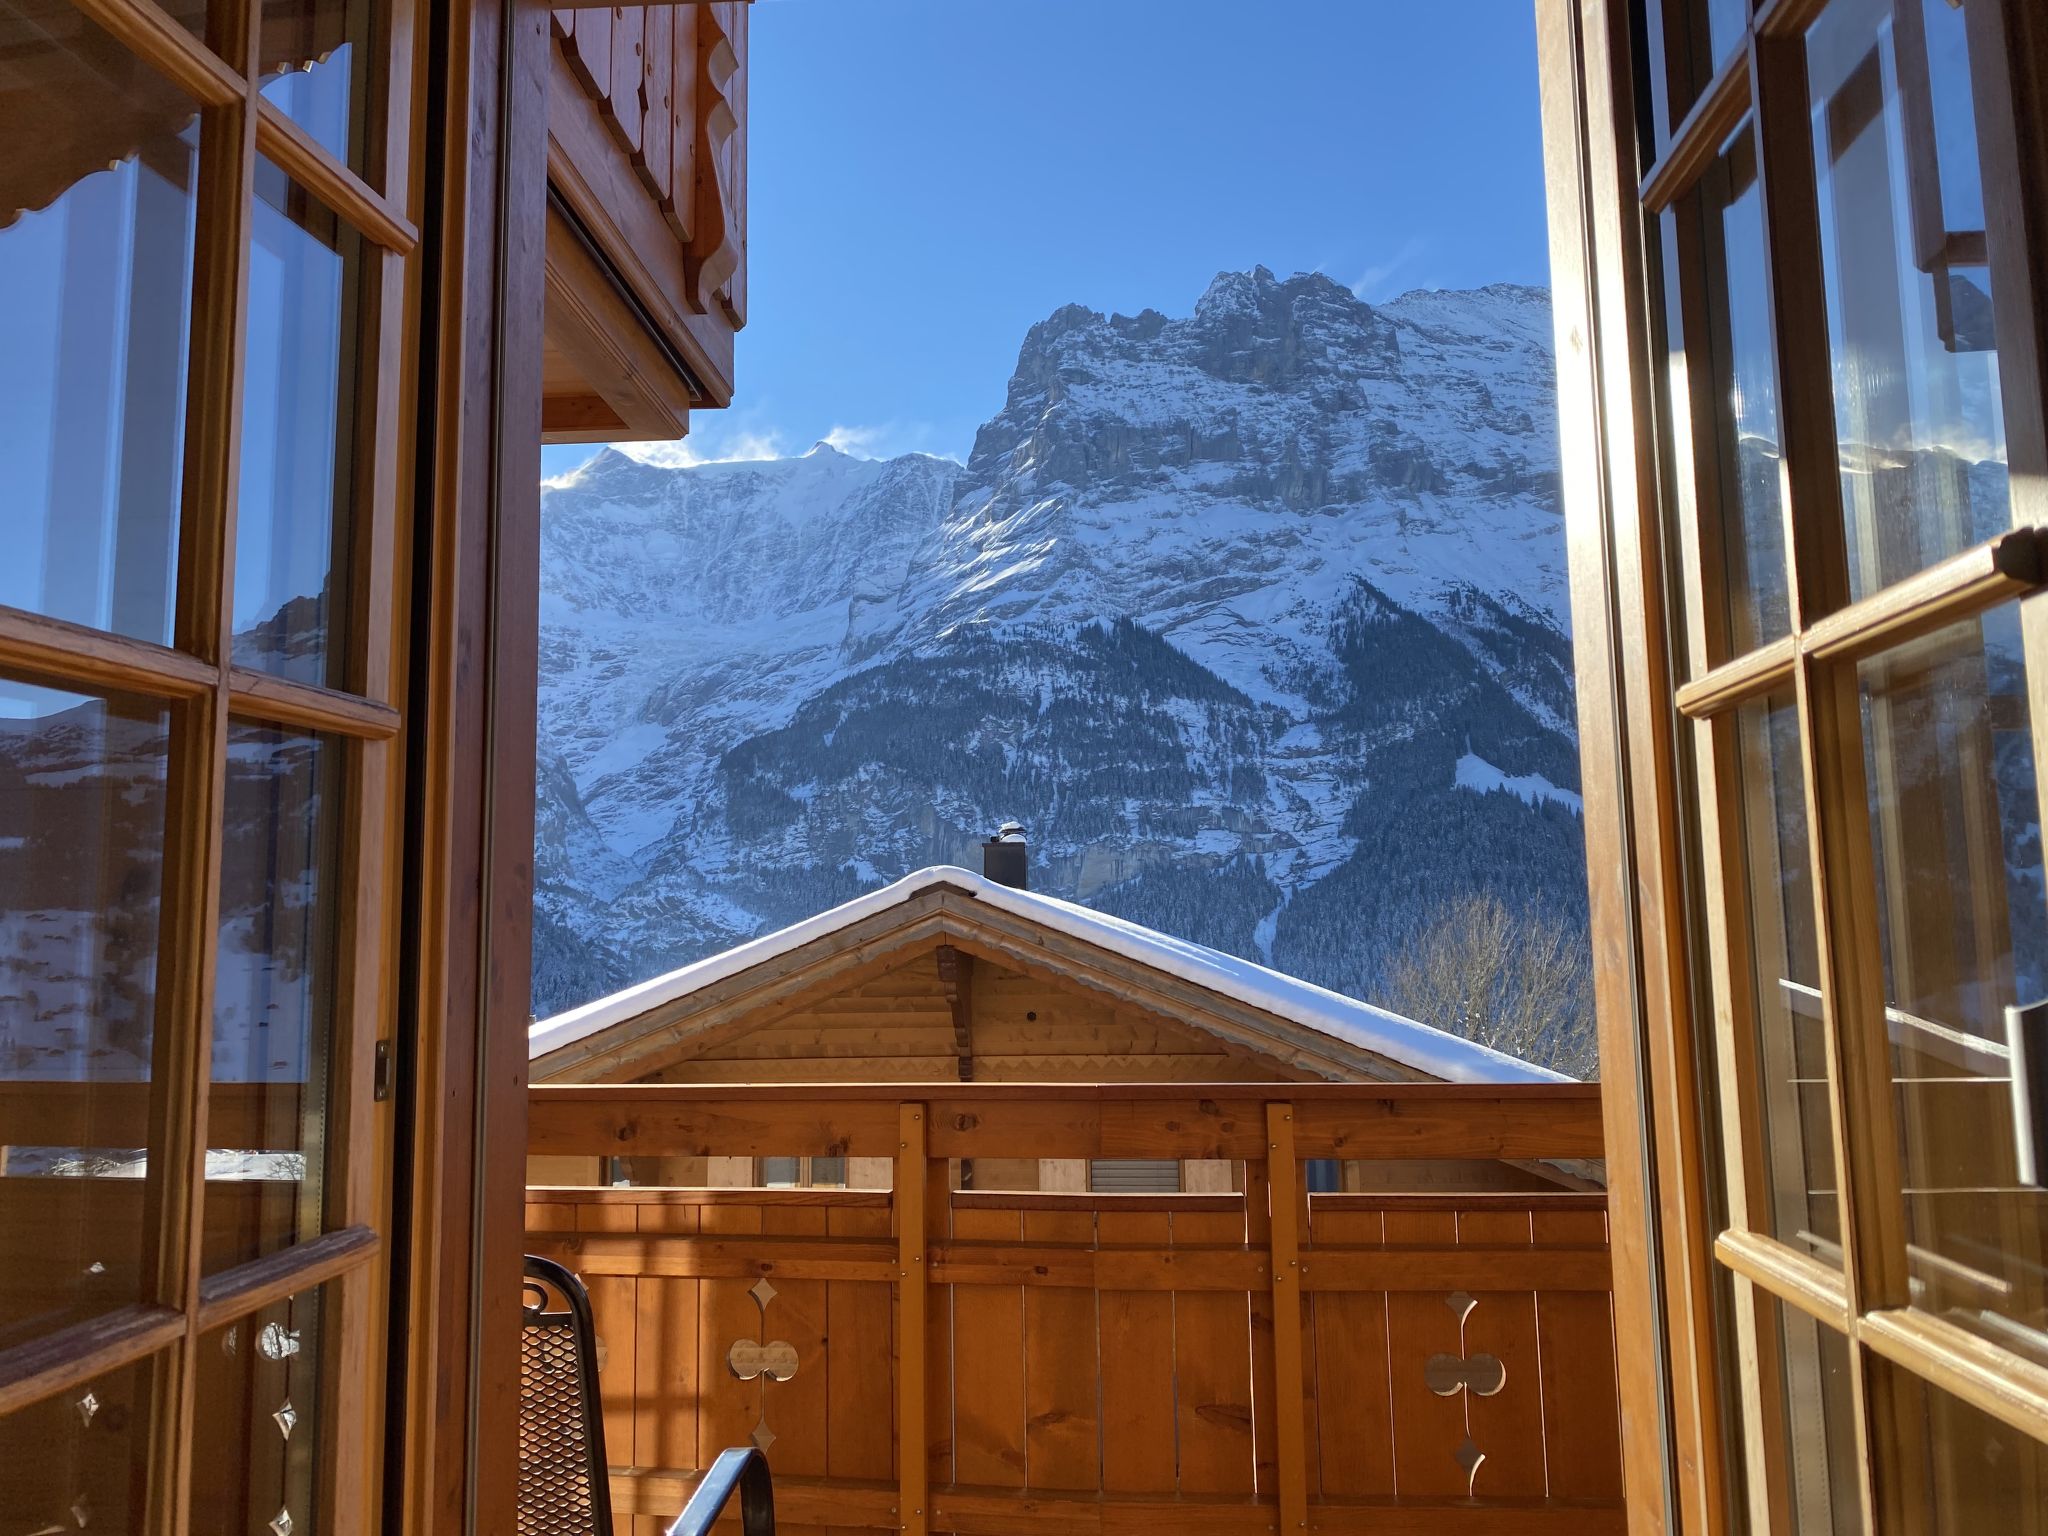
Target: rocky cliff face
(1255, 618)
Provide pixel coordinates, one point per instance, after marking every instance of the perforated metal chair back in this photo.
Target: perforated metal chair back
(564, 1481)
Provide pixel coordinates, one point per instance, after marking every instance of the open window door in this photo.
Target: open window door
(1800, 255)
(272, 284)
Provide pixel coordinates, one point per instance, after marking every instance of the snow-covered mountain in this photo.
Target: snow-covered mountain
(1255, 618)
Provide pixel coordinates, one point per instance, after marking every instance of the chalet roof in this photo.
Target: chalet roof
(1416, 1046)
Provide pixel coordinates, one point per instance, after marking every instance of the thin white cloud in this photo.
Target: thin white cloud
(708, 446)
(886, 440)
(856, 442)
(1376, 282)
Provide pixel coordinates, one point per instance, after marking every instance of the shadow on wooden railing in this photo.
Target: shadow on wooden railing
(1267, 1361)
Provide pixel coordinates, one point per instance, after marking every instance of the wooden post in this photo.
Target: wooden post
(1283, 1186)
(912, 1440)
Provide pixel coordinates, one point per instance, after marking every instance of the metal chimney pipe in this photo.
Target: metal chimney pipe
(1005, 858)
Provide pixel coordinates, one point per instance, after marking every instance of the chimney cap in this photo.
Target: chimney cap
(1009, 832)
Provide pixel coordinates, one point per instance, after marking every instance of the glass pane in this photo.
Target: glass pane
(1956, 834)
(76, 1461)
(1797, 1204)
(310, 49)
(1820, 1425)
(298, 437)
(1726, 20)
(1700, 37)
(96, 229)
(1909, 302)
(258, 1396)
(1972, 1474)
(1739, 452)
(81, 869)
(274, 994)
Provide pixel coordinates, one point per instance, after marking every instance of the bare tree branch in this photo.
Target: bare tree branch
(1520, 982)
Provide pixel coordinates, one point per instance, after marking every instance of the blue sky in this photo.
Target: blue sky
(930, 177)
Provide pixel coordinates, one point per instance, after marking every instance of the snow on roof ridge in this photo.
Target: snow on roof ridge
(1423, 1047)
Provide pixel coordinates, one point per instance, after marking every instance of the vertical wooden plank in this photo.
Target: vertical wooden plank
(1508, 1426)
(1591, 151)
(680, 205)
(594, 50)
(989, 1447)
(665, 1410)
(938, 1368)
(1427, 1429)
(1284, 1220)
(727, 1408)
(615, 1312)
(1212, 1369)
(1581, 1401)
(1061, 1366)
(796, 1409)
(622, 103)
(912, 1433)
(658, 78)
(1354, 1406)
(860, 1403)
(1258, 1233)
(1135, 1329)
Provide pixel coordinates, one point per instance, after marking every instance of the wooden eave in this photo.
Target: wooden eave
(721, 1010)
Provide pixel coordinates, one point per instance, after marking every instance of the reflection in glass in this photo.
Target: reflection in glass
(1979, 1475)
(297, 436)
(274, 993)
(81, 869)
(309, 49)
(1956, 834)
(258, 1395)
(1798, 1203)
(1918, 414)
(96, 232)
(1820, 1425)
(1725, 21)
(76, 1461)
(1746, 457)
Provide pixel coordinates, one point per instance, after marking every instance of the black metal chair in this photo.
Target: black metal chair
(564, 1474)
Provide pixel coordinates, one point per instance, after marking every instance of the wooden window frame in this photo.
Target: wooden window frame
(203, 693)
(1625, 144)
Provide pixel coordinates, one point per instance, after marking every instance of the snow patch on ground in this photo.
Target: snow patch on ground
(1482, 778)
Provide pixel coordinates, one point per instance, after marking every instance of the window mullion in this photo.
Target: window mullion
(182, 1067)
(1868, 1191)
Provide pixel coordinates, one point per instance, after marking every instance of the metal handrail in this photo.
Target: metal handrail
(743, 1468)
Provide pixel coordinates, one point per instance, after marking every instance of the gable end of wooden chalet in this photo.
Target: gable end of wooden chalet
(948, 976)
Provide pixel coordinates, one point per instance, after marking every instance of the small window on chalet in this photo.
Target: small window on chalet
(1134, 1176)
(803, 1173)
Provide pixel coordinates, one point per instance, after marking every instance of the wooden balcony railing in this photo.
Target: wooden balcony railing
(926, 1359)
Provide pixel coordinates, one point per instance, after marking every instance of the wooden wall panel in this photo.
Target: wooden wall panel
(1420, 1324)
(1354, 1418)
(1096, 1355)
(1061, 1367)
(1138, 1455)
(989, 1446)
(1506, 1426)
(1211, 1353)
